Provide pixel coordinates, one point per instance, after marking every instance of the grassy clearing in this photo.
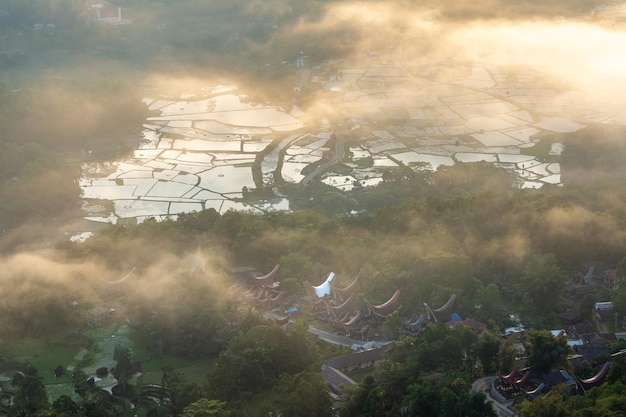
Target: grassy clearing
(152, 361)
(43, 354)
(195, 372)
(47, 354)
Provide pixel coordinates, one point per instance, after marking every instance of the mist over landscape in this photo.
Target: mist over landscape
(180, 181)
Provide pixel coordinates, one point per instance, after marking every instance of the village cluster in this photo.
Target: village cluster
(358, 325)
(199, 150)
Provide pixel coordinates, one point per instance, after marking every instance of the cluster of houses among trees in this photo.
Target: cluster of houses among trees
(577, 356)
(478, 244)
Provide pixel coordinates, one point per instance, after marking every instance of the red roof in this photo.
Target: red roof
(611, 275)
(109, 13)
(387, 307)
(474, 324)
(266, 280)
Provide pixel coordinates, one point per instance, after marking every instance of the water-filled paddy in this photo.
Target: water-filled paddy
(198, 150)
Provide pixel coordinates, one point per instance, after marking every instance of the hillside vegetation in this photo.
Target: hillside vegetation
(71, 91)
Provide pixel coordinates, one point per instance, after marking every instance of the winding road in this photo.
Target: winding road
(337, 157)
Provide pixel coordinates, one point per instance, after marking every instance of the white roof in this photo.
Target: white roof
(324, 288)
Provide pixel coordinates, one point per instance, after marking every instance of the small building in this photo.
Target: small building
(577, 291)
(611, 280)
(570, 315)
(574, 342)
(106, 13)
(336, 378)
(98, 316)
(605, 305)
(556, 377)
(581, 329)
(590, 351)
(530, 383)
(242, 273)
(302, 61)
(358, 360)
(479, 327)
(604, 310)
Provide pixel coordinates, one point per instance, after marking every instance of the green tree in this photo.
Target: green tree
(354, 405)
(122, 370)
(436, 347)
(549, 406)
(65, 406)
(333, 203)
(292, 287)
(508, 353)
(421, 400)
(224, 380)
(489, 352)
(266, 409)
(585, 306)
(257, 358)
(300, 353)
(177, 391)
(489, 303)
(475, 404)
(391, 326)
(546, 351)
(207, 408)
(540, 282)
(303, 395)
(79, 379)
(619, 300)
(467, 339)
(296, 265)
(450, 404)
(30, 393)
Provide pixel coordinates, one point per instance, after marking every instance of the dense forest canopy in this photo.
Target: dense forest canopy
(72, 90)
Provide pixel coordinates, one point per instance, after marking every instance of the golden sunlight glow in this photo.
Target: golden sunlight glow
(586, 55)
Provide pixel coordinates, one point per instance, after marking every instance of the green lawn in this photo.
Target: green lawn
(47, 354)
(195, 372)
(43, 354)
(152, 361)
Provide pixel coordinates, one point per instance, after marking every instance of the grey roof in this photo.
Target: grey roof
(336, 378)
(357, 358)
(582, 328)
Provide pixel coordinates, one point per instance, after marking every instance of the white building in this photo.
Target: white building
(302, 61)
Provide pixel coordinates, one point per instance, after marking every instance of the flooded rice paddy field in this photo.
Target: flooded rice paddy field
(197, 152)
